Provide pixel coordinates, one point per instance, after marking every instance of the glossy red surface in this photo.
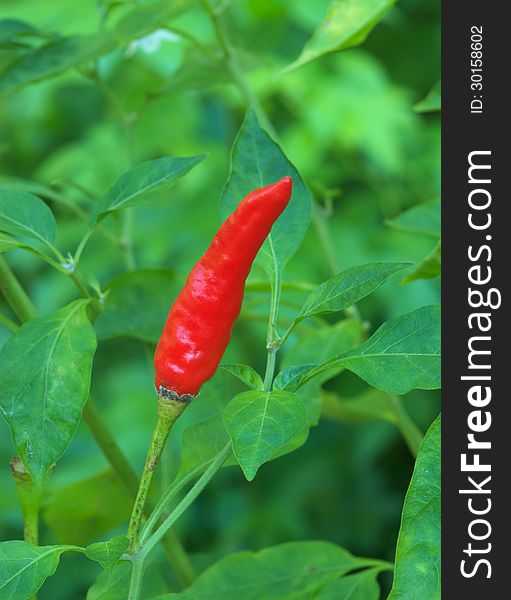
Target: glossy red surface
(200, 322)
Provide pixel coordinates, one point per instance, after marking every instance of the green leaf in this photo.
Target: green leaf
(143, 182)
(432, 102)
(58, 55)
(320, 344)
(19, 184)
(8, 243)
(402, 355)
(88, 509)
(256, 161)
(429, 267)
(53, 58)
(347, 288)
(137, 304)
(417, 570)
(24, 567)
(347, 24)
(289, 379)
(317, 346)
(371, 404)
(112, 585)
(45, 369)
(249, 376)
(201, 444)
(108, 554)
(290, 570)
(260, 423)
(14, 32)
(23, 214)
(424, 219)
(359, 586)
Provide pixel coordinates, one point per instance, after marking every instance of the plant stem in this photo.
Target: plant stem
(141, 555)
(272, 340)
(6, 322)
(82, 244)
(187, 500)
(236, 70)
(14, 293)
(411, 433)
(137, 575)
(30, 499)
(325, 239)
(109, 446)
(120, 464)
(174, 488)
(168, 412)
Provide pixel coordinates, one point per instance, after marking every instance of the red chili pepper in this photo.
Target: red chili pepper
(200, 321)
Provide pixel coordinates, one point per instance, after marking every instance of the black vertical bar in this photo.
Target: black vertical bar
(475, 119)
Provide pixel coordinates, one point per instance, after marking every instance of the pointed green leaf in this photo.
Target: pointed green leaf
(347, 24)
(45, 369)
(424, 218)
(289, 570)
(418, 546)
(348, 287)
(27, 215)
(256, 161)
(53, 58)
(402, 355)
(24, 567)
(14, 32)
(143, 182)
(429, 267)
(260, 423)
(108, 554)
(249, 376)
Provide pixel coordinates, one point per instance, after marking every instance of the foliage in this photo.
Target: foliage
(128, 130)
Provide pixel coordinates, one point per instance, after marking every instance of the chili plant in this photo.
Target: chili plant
(307, 339)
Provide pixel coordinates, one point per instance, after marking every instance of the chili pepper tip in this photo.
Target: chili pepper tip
(286, 183)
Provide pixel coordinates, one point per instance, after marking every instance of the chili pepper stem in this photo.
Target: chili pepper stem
(168, 412)
(171, 544)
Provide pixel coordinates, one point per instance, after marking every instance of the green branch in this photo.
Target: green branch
(14, 293)
(172, 546)
(235, 69)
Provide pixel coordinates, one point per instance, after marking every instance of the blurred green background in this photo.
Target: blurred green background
(347, 123)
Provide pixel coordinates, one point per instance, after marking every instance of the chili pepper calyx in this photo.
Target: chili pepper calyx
(167, 394)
